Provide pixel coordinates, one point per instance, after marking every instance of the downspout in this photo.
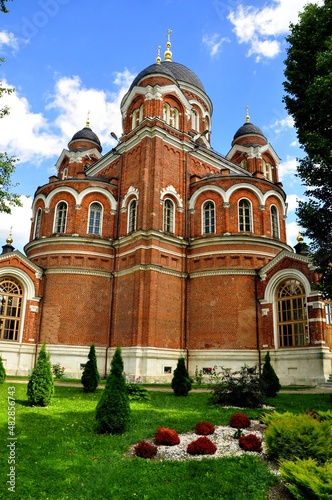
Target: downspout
(187, 278)
(257, 327)
(116, 237)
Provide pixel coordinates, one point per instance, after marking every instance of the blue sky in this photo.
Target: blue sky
(66, 58)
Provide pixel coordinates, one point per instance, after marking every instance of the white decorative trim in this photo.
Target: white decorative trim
(132, 191)
(279, 257)
(170, 190)
(223, 272)
(85, 272)
(150, 267)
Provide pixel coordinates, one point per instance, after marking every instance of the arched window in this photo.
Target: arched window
(245, 219)
(168, 216)
(132, 215)
(274, 222)
(267, 167)
(175, 118)
(171, 115)
(209, 225)
(167, 113)
(292, 317)
(137, 117)
(38, 223)
(95, 218)
(194, 119)
(60, 217)
(11, 296)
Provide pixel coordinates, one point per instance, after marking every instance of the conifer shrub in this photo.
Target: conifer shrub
(299, 436)
(144, 449)
(250, 442)
(181, 383)
(167, 437)
(241, 388)
(239, 421)
(2, 372)
(307, 479)
(41, 386)
(136, 392)
(268, 418)
(270, 381)
(204, 428)
(90, 376)
(201, 446)
(113, 410)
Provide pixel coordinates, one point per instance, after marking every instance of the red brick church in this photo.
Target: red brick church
(166, 248)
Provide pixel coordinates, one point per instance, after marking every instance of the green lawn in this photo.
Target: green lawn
(58, 455)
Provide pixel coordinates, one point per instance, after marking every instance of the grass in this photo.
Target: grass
(58, 455)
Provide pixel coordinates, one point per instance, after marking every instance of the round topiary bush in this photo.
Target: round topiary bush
(144, 449)
(41, 386)
(204, 428)
(168, 437)
(202, 446)
(250, 442)
(239, 421)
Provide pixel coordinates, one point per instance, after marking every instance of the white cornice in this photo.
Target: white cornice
(223, 272)
(242, 240)
(150, 267)
(279, 257)
(71, 240)
(85, 272)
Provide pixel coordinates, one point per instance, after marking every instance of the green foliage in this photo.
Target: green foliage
(308, 96)
(40, 386)
(241, 388)
(3, 7)
(58, 370)
(268, 418)
(90, 376)
(181, 383)
(136, 392)
(270, 381)
(113, 410)
(2, 372)
(299, 436)
(306, 479)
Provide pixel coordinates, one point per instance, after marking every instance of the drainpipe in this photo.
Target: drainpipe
(257, 327)
(116, 237)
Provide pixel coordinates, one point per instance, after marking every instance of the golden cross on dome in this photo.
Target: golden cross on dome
(158, 58)
(168, 53)
(247, 114)
(88, 120)
(168, 35)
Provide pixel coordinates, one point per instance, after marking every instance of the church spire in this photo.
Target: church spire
(168, 53)
(247, 114)
(158, 58)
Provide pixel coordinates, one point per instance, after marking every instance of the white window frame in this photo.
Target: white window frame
(100, 220)
(56, 218)
(211, 223)
(251, 228)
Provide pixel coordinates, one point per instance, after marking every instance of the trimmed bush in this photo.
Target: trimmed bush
(181, 383)
(90, 376)
(299, 436)
(239, 421)
(113, 410)
(2, 372)
(307, 479)
(204, 428)
(250, 442)
(268, 418)
(269, 378)
(242, 388)
(168, 437)
(41, 386)
(202, 446)
(137, 393)
(144, 449)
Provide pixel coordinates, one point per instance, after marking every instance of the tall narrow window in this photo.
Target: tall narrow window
(38, 223)
(175, 118)
(137, 116)
(167, 113)
(194, 120)
(208, 218)
(95, 218)
(169, 216)
(274, 222)
(292, 318)
(245, 220)
(60, 217)
(11, 296)
(132, 214)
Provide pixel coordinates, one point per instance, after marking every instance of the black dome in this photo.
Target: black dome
(248, 129)
(86, 134)
(175, 70)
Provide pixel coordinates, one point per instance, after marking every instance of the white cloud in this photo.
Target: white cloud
(214, 43)
(8, 39)
(292, 233)
(34, 136)
(260, 27)
(20, 221)
(293, 202)
(288, 167)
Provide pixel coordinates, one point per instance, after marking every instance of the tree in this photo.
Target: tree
(41, 386)
(270, 381)
(181, 384)
(2, 372)
(113, 410)
(90, 377)
(309, 101)
(7, 163)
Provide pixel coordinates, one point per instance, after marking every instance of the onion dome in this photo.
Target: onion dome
(248, 129)
(249, 134)
(84, 139)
